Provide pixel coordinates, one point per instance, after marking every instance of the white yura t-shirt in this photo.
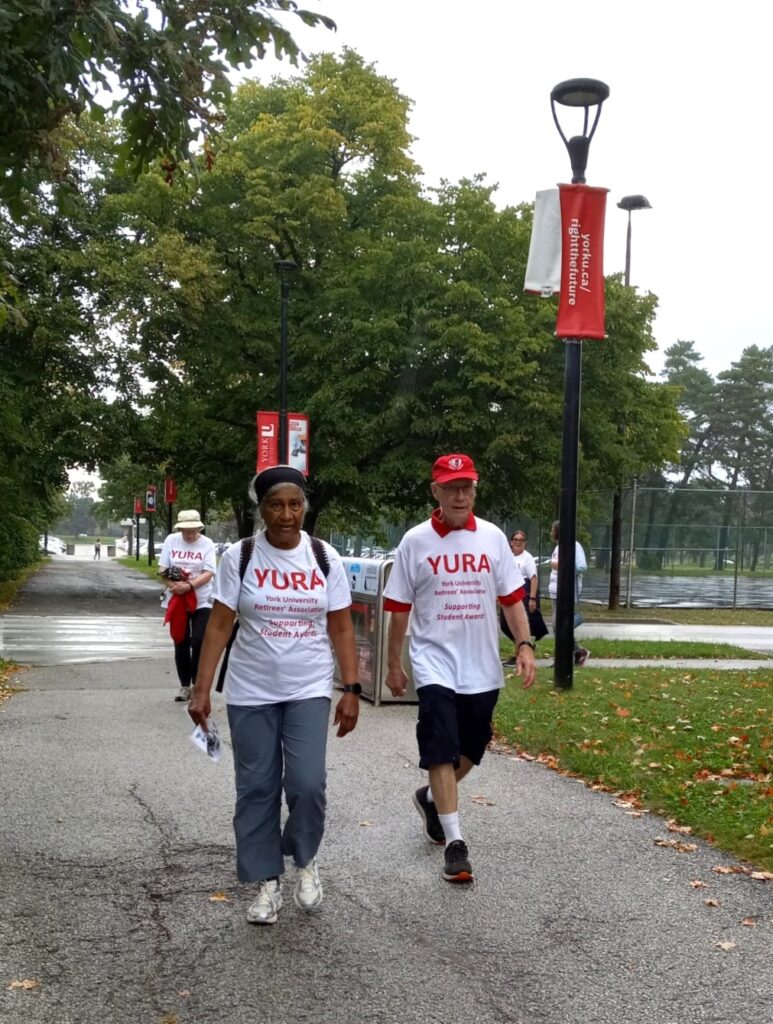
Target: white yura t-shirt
(282, 649)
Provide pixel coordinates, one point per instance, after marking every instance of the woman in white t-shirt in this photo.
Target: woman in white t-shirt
(293, 602)
(188, 564)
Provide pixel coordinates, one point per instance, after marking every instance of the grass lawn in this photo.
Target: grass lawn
(142, 566)
(695, 747)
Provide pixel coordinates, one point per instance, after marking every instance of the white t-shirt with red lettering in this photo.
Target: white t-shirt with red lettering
(452, 582)
(282, 650)
(193, 559)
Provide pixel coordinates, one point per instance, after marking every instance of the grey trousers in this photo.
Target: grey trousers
(278, 746)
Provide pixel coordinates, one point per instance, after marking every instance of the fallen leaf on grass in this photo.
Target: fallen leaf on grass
(25, 983)
(724, 945)
(623, 713)
(480, 799)
(219, 897)
(676, 844)
(683, 830)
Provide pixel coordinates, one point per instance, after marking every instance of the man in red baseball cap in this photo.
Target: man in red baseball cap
(447, 576)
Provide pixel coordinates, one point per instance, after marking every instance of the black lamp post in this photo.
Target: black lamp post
(284, 268)
(628, 203)
(631, 203)
(584, 93)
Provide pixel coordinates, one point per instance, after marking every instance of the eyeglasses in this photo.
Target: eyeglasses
(464, 488)
(517, 540)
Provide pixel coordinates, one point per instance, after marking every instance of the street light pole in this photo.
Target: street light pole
(628, 203)
(585, 93)
(284, 268)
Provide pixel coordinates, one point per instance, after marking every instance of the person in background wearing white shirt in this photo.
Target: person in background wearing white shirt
(447, 575)
(191, 556)
(528, 567)
(292, 604)
(580, 565)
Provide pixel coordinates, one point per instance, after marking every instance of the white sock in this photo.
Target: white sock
(450, 825)
(430, 797)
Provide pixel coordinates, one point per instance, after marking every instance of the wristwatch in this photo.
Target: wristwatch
(354, 688)
(526, 643)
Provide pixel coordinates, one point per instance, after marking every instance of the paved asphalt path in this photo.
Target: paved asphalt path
(115, 835)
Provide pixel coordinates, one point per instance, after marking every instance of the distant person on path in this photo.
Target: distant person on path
(293, 601)
(97, 550)
(528, 568)
(188, 564)
(447, 575)
(580, 565)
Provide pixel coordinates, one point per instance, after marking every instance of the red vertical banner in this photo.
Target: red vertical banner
(170, 491)
(298, 441)
(138, 506)
(268, 440)
(581, 302)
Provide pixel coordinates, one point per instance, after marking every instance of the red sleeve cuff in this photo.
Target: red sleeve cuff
(390, 605)
(515, 597)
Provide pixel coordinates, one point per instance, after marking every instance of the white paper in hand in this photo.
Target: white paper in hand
(209, 742)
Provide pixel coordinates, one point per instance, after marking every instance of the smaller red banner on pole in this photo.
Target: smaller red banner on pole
(268, 440)
(138, 506)
(170, 490)
(581, 302)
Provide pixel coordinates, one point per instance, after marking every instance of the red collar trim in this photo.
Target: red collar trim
(443, 529)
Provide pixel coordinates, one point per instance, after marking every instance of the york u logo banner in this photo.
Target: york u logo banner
(581, 301)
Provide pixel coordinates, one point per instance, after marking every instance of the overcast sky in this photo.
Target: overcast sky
(686, 124)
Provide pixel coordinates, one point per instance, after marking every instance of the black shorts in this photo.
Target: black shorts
(453, 724)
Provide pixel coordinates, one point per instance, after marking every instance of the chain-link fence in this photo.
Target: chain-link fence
(679, 547)
(687, 548)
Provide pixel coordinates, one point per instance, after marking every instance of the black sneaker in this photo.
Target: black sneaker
(581, 656)
(432, 827)
(510, 663)
(457, 867)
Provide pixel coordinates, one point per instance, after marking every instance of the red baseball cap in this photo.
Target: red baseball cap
(453, 467)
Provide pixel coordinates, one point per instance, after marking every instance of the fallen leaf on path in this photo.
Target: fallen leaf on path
(749, 922)
(25, 983)
(762, 876)
(724, 945)
(698, 884)
(684, 830)
(480, 799)
(676, 844)
(184, 993)
(219, 897)
(723, 869)
(711, 903)
(365, 824)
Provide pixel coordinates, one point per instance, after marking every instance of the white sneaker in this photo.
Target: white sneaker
(267, 904)
(184, 693)
(308, 889)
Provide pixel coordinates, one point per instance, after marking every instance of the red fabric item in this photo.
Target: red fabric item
(515, 597)
(443, 529)
(453, 467)
(581, 299)
(177, 612)
(390, 605)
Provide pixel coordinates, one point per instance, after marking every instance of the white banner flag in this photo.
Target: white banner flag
(543, 270)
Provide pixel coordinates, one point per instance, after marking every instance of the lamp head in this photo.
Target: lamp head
(634, 203)
(285, 265)
(584, 93)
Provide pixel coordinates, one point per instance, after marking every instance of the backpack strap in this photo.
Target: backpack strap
(320, 554)
(245, 554)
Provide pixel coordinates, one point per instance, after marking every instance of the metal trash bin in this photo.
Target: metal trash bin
(70, 549)
(367, 579)
(111, 550)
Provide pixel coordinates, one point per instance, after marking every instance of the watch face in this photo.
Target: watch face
(353, 688)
